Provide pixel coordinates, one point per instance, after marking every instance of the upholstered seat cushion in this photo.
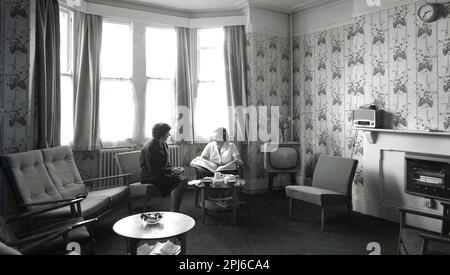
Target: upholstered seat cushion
(138, 190)
(314, 195)
(91, 207)
(63, 171)
(412, 243)
(29, 178)
(114, 195)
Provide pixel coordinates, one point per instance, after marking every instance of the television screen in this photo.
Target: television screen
(284, 158)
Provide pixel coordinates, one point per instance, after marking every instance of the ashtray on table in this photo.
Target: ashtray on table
(151, 218)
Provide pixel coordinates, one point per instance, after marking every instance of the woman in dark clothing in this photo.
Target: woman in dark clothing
(157, 170)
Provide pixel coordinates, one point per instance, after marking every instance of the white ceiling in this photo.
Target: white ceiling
(218, 5)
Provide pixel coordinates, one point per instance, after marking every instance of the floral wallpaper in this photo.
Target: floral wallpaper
(15, 134)
(389, 58)
(269, 82)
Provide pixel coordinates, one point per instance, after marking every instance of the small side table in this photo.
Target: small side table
(207, 185)
(172, 225)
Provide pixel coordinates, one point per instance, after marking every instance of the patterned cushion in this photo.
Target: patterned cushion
(28, 175)
(63, 171)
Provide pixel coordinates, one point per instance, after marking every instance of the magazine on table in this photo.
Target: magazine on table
(167, 248)
(200, 162)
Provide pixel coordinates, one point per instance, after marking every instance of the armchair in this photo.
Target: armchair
(45, 177)
(332, 185)
(129, 164)
(417, 241)
(45, 239)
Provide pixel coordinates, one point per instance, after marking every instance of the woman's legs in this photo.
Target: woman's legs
(177, 195)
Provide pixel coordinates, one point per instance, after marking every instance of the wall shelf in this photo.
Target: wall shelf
(372, 134)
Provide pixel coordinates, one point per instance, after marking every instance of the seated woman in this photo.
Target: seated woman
(157, 170)
(221, 152)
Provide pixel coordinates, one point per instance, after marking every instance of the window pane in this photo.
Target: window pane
(117, 50)
(212, 67)
(211, 110)
(64, 37)
(116, 110)
(159, 104)
(66, 110)
(161, 53)
(211, 38)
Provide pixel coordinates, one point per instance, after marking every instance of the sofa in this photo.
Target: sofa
(43, 177)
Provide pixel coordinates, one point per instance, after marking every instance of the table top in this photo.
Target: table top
(171, 225)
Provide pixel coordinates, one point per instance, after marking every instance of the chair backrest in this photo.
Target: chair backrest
(63, 171)
(335, 174)
(129, 163)
(29, 179)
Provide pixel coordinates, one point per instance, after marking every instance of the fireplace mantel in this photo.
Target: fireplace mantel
(372, 134)
(384, 163)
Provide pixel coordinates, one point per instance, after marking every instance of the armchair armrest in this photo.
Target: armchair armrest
(45, 203)
(435, 238)
(57, 205)
(55, 232)
(67, 224)
(27, 245)
(445, 204)
(83, 223)
(93, 181)
(423, 214)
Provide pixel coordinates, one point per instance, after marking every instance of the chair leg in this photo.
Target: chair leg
(323, 218)
(129, 207)
(291, 208)
(350, 210)
(197, 191)
(92, 244)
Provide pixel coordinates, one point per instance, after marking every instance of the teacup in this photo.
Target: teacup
(217, 176)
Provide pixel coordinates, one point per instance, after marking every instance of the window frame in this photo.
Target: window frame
(131, 141)
(130, 24)
(198, 139)
(69, 71)
(149, 78)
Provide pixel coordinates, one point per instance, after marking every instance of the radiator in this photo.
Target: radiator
(108, 166)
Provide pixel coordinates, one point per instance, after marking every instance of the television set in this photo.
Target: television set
(282, 158)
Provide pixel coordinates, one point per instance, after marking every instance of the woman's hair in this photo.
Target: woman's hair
(160, 129)
(220, 134)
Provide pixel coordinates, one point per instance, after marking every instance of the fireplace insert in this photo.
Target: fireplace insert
(428, 176)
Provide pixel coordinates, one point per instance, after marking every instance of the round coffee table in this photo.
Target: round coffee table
(172, 225)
